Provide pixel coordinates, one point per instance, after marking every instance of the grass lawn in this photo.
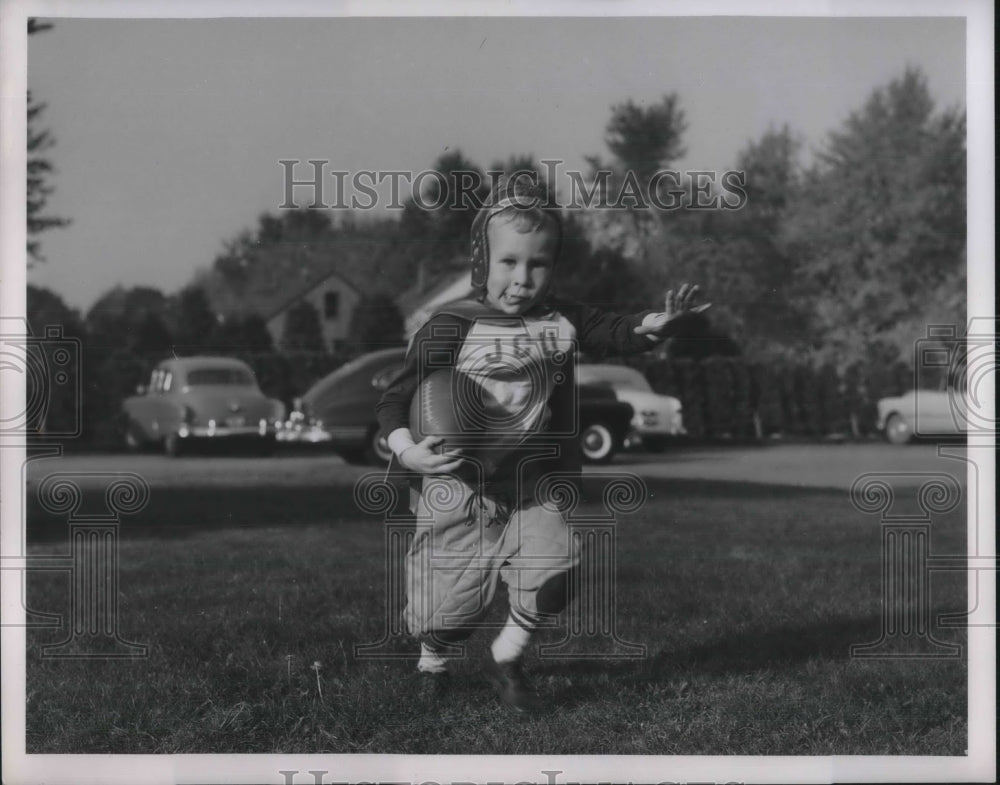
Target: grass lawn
(747, 598)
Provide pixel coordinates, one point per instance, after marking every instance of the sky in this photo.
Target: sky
(169, 132)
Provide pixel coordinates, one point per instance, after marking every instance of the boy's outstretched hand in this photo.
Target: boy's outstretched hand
(679, 307)
(422, 457)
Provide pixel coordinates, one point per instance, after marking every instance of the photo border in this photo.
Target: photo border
(979, 765)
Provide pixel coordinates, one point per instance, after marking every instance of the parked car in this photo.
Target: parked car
(201, 399)
(657, 418)
(604, 423)
(924, 412)
(339, 411)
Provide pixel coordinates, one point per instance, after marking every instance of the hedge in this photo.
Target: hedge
(730, 398)
(723, 398)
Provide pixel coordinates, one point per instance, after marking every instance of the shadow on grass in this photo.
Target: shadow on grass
(830, 639)
(777, 648)
(184, 511)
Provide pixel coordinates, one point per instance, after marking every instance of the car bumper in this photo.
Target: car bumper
(346, 437)
(226, 431)
(304, 436)
(659, 429)
(636, 438)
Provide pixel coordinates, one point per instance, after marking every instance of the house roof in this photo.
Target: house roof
(430, 285)
(304, 290)
(452, 287)
(417, 296)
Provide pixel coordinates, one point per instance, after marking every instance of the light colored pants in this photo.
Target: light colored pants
(464, 542)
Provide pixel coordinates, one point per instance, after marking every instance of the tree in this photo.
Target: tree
(376, 323)
(262, 268)
(193, 320)
(878, 230)
(523, 165)
(243, 333)
(39, 169)
(281, 254)
(643, 141)
(294, 226)
(58, 410)
(440, 222)
(600, 277)
(767, 313)
(131, 319)
(303, 331)
(45, 308)
(737, 255)
(152, 336)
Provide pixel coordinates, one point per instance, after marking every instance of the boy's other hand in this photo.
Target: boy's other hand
(678, 308)
(423, 457)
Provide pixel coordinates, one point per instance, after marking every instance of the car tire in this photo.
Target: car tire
(597, 443)
(133, 437)
(898, 430)
(173, 445)
(377, 451)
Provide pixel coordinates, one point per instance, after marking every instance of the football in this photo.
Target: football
(446, 404)
(449, 404)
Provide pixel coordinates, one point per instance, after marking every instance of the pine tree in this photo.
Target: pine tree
(39, 168)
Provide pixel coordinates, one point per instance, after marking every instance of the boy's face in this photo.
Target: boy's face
(520, 267)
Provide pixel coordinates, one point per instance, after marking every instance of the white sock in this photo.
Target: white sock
(511, 642)
(431, 661)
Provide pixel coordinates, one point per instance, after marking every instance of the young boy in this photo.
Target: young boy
(479, 519)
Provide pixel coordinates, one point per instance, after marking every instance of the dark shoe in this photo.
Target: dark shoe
(432, 686)
(511, 685)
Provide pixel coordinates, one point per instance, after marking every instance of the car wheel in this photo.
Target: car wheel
(133, 437)
(173, 445)
(377, 450)
(897, 430)
(597, 443)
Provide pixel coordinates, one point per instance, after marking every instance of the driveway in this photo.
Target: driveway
(806, 465)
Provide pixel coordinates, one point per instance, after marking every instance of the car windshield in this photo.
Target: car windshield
(618, 377)
(211, 377)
